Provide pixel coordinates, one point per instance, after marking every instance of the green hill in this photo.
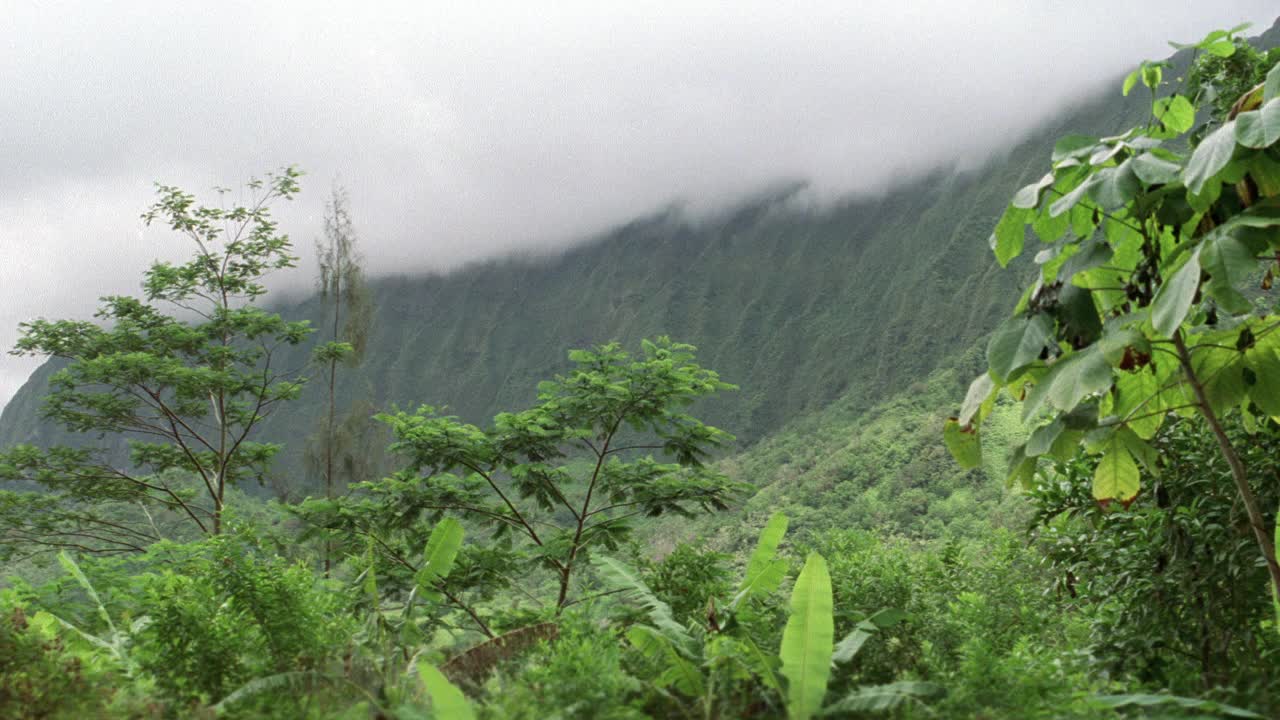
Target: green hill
(799, 306)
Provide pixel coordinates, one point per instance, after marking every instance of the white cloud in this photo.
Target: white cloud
(465, 129)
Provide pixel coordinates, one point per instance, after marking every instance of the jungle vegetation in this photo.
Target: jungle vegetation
(585, 537)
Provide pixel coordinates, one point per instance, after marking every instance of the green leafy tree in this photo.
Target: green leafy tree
(1170, 585)
(551, 482)
(186, 373)
(1141, 307)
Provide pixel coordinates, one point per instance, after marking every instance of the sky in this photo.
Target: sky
(467, 130)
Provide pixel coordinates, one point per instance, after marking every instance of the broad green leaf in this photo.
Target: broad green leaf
(963, 444)
(1117, 475)
(1129, 81)
(1176, 112)
(1229, 263)
(1105, 153)
(1221, 370)
(1073, 146)
(977, 400)
(1018, 342)
(1049, 227)
(808, 640)
(1070, 380)
(883, 698)
(1173, 300)
(1009, 235)
(1265, 391)
(1271, 90)
(1043, 437)
(1121, 341)
(1073, 198)
(442, 548)
(447, 701)
(1022, 469)
(852, 643)
(1115, 187)
(1083, 220)
(1091, 253)
(1029, 196)
(1210, 157)
(1154, 170)
(1138, 403)
(1259, 128)
(1221, 48)
(1140, 449)
(765, 570)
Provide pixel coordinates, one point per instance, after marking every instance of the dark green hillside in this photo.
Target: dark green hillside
(796, 306)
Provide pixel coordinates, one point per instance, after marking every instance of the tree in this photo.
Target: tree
(185, 373)
(333, 450)
(1171, 583)
(1139, 309)
(547, 483)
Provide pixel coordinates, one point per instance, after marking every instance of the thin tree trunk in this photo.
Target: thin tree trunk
(328, 439)
(1238, 474)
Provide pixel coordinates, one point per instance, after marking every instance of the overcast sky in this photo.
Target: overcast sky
(464, 130)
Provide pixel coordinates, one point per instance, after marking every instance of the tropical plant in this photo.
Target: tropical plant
(728, 656)
(551, 482)
(184, 373)
(1170, 583)
(1139, 307)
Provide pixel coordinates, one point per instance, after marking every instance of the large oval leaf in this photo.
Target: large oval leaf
(1029, 196)
(1173, 299)
(1116, 186)
(1154, 170)
(1259, 128)
(808, 640)
(1017, 343)
(1211, 156)
(963, 444)
(1176, 112)
(1117, 475)
(1069, 381)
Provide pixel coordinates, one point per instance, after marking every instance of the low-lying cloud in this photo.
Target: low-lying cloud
(464, 130)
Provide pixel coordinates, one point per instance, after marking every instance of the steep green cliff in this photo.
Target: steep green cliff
(798, 306)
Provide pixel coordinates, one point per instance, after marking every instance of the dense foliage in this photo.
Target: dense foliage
(600, 554)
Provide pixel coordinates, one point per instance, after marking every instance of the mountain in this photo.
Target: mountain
(798, 306)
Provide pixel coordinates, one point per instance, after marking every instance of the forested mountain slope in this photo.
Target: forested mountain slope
(797, 306)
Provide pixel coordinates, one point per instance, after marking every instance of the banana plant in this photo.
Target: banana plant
(804, 660)
(115, 642)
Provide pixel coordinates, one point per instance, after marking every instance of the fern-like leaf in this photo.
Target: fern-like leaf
(677, 670)
(622, 577)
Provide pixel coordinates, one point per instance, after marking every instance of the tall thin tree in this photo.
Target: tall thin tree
(346, 299)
